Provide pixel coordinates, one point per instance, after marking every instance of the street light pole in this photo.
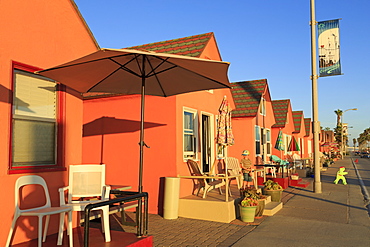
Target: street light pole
(341, 132)
(315, 104)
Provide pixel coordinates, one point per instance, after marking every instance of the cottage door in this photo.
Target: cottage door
(206, 143)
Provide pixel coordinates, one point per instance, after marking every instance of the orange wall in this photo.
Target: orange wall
(120, 150)
(39, 33)
(243, 129)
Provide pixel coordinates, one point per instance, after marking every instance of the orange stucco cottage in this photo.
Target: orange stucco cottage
(252, 119)
(177, 128)
(284, 122)
(40, 121)
(308, 138)
(299, 131)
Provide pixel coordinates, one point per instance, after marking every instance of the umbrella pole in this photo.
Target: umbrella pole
(141, 162)
(142, 128)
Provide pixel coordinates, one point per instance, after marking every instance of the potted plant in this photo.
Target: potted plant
(273, 189)
(252, 193)
(247, 208)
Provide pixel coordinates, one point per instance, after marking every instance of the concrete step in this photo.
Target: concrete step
(268, 199)
(303, 185)
(299, 183)
(272, 208)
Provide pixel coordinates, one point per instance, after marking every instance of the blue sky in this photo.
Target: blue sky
(262, 39)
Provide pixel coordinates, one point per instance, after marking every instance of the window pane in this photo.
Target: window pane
(258, 147)
(257, 133)
(188, 121)
(188, 143)
(189, 134)
(33, 143)
(34, 96)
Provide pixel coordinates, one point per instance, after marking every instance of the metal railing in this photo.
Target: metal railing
(123, 196)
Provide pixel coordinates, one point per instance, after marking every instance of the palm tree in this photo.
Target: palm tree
(339, 113)
(354, 143)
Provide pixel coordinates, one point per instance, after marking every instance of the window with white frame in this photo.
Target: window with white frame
(190, 133)
(263, 107)
(287, 142)
(257, 134)
(34, 122)
(268, 141)
(301, 141)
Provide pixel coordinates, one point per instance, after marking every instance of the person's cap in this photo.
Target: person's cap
(245, 153)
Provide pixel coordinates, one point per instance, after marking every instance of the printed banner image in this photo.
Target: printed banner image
(329, 48)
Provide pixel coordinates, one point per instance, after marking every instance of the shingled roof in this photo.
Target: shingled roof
(280, 108)
(191, 46)
(297, 119)
(247, 97)
(307, 125)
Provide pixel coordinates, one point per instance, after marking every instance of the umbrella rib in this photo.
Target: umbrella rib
(154, 69)
(156, 77)
(96, 84)
(90, 61)
(123, 66)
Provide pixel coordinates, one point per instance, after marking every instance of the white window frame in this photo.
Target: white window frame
(288, 139)
(262, 109)
(257, 138)
(301, 140)
(191, 154)
(268, 142)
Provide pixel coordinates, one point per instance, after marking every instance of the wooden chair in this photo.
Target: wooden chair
(87, 181)
(202, 182)
(40, 211)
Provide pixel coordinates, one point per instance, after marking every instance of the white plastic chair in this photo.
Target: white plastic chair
(40, 212)
(234, 169)
(273, 171)
(87, 181)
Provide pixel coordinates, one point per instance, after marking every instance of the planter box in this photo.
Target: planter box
(302, 173)
(284, 182)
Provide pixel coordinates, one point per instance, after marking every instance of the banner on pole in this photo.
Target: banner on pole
(329, 48)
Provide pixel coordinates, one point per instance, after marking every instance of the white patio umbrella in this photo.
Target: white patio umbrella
(127, 71)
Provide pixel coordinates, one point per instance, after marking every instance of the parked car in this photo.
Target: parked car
(365, 155)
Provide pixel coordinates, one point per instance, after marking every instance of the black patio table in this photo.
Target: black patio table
(272, 165)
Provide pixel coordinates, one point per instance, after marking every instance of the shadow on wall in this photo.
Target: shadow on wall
(112, 125)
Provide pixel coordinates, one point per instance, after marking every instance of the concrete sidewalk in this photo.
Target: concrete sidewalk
(335, 217)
